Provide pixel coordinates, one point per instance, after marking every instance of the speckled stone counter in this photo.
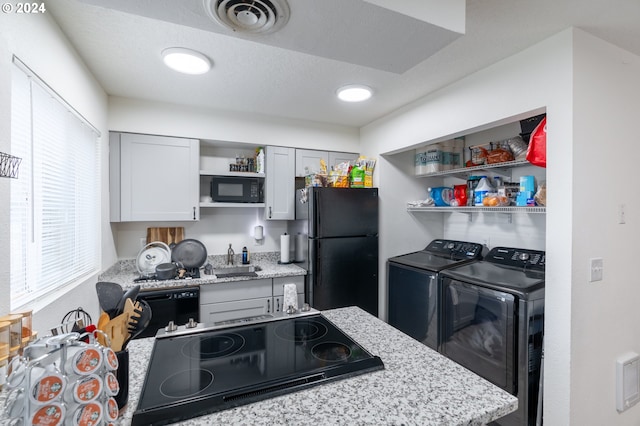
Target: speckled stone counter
(417, 387)
(125, 272)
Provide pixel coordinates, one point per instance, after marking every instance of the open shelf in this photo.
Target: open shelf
(472, 209)
(468, 171)
(241, 174)
(205, 205)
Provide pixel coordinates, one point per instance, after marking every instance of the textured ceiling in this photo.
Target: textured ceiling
(294, 72)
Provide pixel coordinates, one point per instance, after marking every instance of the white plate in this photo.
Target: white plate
(151, 256)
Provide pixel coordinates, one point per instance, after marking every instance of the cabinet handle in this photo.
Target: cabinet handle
(194, 213)
(268, 306)
(278, 305)
(269, 212)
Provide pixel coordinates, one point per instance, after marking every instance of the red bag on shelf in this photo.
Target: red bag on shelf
(537, 151)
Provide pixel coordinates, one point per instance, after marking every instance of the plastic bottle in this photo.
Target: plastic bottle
(260, 161)
(230, 254)
(481, 191)
(245, 256)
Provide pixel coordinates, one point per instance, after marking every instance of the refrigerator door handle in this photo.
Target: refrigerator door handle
(318, 269)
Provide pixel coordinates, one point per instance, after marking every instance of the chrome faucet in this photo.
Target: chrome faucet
(230, 254)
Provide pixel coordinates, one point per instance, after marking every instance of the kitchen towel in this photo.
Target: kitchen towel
(300, 242)
(285, 241)
(290, 297)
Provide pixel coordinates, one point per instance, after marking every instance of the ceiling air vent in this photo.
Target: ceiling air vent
(250, 17)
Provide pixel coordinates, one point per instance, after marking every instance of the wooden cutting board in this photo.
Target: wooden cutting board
(165, 235)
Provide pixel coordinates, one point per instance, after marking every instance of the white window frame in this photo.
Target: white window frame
(55, 199)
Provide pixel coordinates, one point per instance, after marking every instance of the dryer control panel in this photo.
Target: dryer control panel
(455, 249)
(518, 258)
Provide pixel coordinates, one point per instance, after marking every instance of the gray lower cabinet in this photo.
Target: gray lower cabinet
(242, 299)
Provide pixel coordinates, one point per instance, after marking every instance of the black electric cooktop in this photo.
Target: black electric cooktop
(205, 371)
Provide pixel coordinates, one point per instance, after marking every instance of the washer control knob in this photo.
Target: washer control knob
(523, 256)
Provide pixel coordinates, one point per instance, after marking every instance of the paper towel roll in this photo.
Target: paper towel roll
(300, 243)
(284, 248)
(290, 297)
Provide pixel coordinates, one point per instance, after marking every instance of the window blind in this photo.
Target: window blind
(55, 201)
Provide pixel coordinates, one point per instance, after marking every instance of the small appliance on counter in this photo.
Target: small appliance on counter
(199, 369)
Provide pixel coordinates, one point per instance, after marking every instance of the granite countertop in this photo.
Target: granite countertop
(417, 387)
(124, 272)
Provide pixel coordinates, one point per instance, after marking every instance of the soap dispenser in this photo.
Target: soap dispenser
(230, 254)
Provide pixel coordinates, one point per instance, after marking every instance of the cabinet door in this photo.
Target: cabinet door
(236, 290)
(308, 161)
(159, 178)
(336, 158)
(212, 313)
(280, 183)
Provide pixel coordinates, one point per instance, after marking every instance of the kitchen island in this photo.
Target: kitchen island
(417, 387)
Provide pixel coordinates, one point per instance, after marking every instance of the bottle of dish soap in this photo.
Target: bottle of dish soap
(245, 256)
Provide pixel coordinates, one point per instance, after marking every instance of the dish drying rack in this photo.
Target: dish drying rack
(9, 165)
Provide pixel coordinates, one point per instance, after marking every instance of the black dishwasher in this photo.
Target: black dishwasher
(170, 304)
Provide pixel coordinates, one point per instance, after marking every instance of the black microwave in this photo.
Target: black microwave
(237, 189)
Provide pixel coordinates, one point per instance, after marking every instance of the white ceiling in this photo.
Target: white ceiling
(294, 72)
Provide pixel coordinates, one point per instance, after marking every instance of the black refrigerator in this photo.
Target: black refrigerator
(342, 229)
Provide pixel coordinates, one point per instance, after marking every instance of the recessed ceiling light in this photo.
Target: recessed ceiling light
(354, 93)
(186, 60)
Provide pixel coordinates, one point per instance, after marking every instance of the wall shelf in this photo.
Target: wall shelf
(502, 168)
(236, 174)
(509, 210)
(205, 205)
(472, 209)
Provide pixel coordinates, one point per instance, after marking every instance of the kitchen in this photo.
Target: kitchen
(580, 381)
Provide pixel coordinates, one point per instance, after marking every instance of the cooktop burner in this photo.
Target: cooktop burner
(331, 351)
(302, 331)
(214, 346)
(181, 383)
(192, 374)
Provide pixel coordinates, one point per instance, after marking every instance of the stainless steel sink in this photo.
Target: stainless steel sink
(236, 271)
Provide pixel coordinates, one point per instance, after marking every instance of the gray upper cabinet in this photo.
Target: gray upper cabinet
(153, 178)
(308, 160)
(336, 158)
(279, 183)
